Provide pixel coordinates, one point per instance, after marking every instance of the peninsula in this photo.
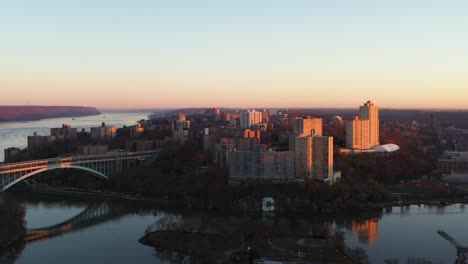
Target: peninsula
(31, 113)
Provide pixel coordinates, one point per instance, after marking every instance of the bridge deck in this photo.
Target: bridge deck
(102, 165)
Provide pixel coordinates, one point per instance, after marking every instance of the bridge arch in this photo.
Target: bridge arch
(55, 167)
(92, 215)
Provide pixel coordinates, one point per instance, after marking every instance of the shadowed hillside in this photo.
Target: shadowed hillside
(30, 113)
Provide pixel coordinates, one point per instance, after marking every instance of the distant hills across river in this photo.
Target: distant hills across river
(31, 113)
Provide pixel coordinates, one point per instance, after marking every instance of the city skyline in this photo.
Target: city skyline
(158, 54)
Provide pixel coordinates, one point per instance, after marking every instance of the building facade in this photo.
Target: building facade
(303, 156)
(362, 133)
(103, 132)
(357, 134)
(309, 126)
(250, 118)
(322, 156)
(93, 149)
(261, 166)
(370, 112)
(64, 132)
(36, 140)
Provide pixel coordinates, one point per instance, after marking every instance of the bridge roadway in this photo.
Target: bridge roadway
(102, 166)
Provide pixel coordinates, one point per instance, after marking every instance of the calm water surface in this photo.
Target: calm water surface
(407, 233)
(410, 233)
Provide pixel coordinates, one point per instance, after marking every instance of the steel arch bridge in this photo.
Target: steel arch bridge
(103, 166)
(91, 216)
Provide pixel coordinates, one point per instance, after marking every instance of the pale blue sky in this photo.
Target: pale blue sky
(411, 53)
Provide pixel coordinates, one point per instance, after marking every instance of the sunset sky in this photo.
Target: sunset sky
(234, 53)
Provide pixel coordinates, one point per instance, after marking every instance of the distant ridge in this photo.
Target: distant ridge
(31, 113)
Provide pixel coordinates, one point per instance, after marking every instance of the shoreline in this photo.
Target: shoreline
(188, 204)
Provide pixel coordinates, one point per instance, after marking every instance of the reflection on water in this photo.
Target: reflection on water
(367, 230)
(400, 235)
(109, 232)
(408, 234)
(92, 215)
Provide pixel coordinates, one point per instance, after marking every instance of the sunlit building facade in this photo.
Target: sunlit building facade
(362, 133)
(370, 112)
(309, 126)
(250, 118)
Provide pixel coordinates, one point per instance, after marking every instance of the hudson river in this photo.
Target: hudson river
(15, 134)
(407, 234)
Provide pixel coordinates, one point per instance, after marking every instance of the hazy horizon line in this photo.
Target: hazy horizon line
(241, 108)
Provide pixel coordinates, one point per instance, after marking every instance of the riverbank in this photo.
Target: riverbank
(12, 222)
(73, 192)
(283, 204)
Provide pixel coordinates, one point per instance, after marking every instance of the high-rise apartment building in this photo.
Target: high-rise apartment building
(222, 151)
(181, 123)
(242, 165)
(358, 134)
(322, 158)
(362, 132)
(265, 116)
(309, 126)
(209, 143)
(252, 134)
(370, 112)
(277, 165)
(250, 118)
(261, 165)
(180, 130)
(304, 127)
(303, 156)
(314, 157)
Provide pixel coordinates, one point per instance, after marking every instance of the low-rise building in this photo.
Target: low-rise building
(453, 162)
(93, 149)
(143, 145)
(36, 140)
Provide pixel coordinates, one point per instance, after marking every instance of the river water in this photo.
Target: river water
(407, 233)
(14, 134)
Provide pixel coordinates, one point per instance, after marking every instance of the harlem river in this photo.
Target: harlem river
(111, 231)
(90, 231)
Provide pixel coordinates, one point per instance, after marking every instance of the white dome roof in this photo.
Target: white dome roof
(387, 148)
